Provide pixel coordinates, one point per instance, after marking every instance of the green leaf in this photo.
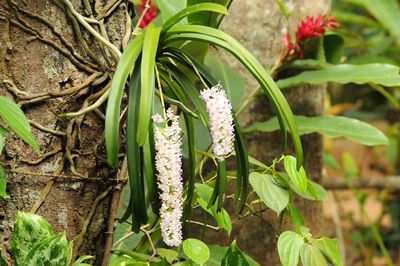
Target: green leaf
(2, 260)
(330, 126)
(271, 194)
(234, 257)
(386, 12)
(382, 74)
(81, 259)
(296, 217)
(350, 167)
(169, 8)
(193, 9)
(29, 229)
(217, 253)
(3, 184)
(232, 80)
(333, 47)
(219, 38)
(196, 250)
(169, 254)
(207, 19)
(124, 68)
(150, 45)
(222, 217)
(220, 186)
(329, 247)
(3, 136)
(312, 256)
(52, 251)
(314, 191)
(135, 154)
(242, 164)
(329, 160)
(17, 121)
(289, 244)
(298, 177)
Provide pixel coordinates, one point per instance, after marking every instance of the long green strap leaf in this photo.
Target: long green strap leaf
(17, 121)
(206, 34)
(124, 68)
(149, 163)
(217, 8)
(135, 154)
(242, 161)
(150, 45)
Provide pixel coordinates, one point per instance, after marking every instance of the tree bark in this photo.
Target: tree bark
(70, 183)
(260, 26)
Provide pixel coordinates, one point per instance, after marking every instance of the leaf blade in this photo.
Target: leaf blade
(150, 44)
(330, 126)
(113, 112)
(17, 121)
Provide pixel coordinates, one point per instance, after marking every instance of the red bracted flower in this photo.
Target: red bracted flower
(150, 15)
(310, 27)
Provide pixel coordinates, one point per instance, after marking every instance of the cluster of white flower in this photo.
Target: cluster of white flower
(219, 110)
(168, 141)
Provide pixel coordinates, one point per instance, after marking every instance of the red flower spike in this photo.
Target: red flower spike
(310, 27)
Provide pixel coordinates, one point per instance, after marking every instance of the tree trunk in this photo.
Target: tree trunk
(70, 183)
(260, 26)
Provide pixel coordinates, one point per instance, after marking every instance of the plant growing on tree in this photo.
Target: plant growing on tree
(165, 77)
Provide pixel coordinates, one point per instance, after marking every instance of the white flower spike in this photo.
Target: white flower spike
(219, 110)
(168, 141)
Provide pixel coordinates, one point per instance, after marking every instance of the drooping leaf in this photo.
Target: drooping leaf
(196, 250)
(50, 251)
(271, 194)
(232, 80)
(124, 68)
(3, 136)
(135, 157)
(298, 177)
(222, 217)
(191, 11)
(329, 247)
(330, 126)
(29, 229)
(312, 256)
(209, 35)
(289, 245)
(17, 121)
(220, 186)
(234, 257)
(3, 184)
(382, 74)
(208, 19)
(150, 45)
(242, 164)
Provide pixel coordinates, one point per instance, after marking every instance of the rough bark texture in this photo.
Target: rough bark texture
(260, 26)
(34, 66)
